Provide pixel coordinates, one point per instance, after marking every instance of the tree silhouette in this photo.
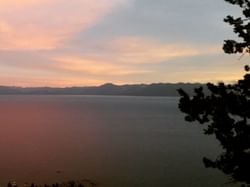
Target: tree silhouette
(225, 110)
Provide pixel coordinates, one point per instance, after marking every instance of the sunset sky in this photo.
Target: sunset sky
(91, 42)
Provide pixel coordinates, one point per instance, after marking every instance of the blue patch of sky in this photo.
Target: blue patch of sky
(180, 21)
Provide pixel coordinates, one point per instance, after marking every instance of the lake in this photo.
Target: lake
(116, 141)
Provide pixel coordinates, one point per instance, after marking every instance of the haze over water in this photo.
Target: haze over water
(115, 141)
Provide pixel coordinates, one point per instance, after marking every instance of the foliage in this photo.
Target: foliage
(225, 111)
(241, 26)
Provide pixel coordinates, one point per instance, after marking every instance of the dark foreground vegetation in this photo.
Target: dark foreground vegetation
(225, 111)
(81, 183)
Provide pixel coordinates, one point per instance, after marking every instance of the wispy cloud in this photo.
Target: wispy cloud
(90, 42)
(137, 50)
(93, 66)
(126, 56)
(10, 5)
(38, 25)
(42, 81)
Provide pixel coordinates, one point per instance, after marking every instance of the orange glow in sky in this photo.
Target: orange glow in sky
(84, 42)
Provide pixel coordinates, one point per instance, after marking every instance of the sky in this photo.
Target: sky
(62, 43)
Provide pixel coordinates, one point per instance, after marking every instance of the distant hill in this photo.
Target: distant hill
(156, 89)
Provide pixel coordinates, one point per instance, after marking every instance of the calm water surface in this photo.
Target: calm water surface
(115, 141)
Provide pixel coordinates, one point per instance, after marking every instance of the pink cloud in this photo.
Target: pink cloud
(10, 5)
(38, 25)
(95, 66)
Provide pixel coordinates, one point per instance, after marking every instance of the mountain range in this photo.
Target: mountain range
(156, 89)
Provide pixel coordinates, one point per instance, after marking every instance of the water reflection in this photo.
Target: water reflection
(117, 141)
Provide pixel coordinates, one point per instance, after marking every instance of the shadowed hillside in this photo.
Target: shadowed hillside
(157, 89)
